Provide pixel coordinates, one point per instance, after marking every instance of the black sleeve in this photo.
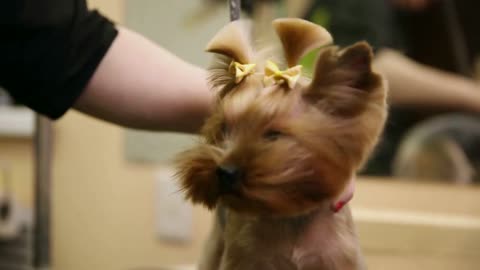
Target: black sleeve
(49, 50)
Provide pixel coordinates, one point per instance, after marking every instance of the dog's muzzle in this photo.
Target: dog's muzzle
(229, 178)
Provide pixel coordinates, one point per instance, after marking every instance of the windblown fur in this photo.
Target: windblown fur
(293, 151)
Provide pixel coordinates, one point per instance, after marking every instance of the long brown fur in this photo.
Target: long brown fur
(296, 148)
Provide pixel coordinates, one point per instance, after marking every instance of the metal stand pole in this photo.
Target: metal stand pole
(41, 235)
(235, 8)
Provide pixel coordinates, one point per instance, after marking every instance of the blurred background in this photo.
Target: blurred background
(114, 204)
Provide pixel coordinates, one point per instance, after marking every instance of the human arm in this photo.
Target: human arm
(59, 54)
(415, 85)
(141, 85)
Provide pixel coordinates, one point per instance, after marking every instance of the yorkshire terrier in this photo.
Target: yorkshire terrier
(279, 154)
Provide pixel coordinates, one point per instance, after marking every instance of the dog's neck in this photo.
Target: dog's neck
(321, 230)
(323, 238)
(306, 241)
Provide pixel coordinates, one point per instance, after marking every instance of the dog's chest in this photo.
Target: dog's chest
(279, 245)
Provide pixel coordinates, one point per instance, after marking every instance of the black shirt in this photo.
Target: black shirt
(49, 50)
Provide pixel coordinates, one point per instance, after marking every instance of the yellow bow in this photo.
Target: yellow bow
(241, 70)
(273, 75)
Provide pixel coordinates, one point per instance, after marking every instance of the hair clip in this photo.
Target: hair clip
(273, 75)
(241, 70)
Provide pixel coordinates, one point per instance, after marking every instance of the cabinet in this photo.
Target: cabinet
(404, 224)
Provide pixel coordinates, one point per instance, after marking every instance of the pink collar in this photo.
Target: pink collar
(344, 197)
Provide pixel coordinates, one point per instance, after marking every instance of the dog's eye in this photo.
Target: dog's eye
(272, 135)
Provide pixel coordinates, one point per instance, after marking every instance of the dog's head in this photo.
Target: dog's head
(278, 143)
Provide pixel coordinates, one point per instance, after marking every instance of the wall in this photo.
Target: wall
(16, 156)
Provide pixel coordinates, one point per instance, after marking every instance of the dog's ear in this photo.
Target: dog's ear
(299, 37)
(343, 79)
(234, 60)
(233, 41)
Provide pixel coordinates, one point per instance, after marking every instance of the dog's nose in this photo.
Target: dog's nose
(229, 177)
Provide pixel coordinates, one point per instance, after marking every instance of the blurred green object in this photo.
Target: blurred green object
(320, 16)
(350, 21)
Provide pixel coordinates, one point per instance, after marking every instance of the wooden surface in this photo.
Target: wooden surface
(411, 225)
(429, 197)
